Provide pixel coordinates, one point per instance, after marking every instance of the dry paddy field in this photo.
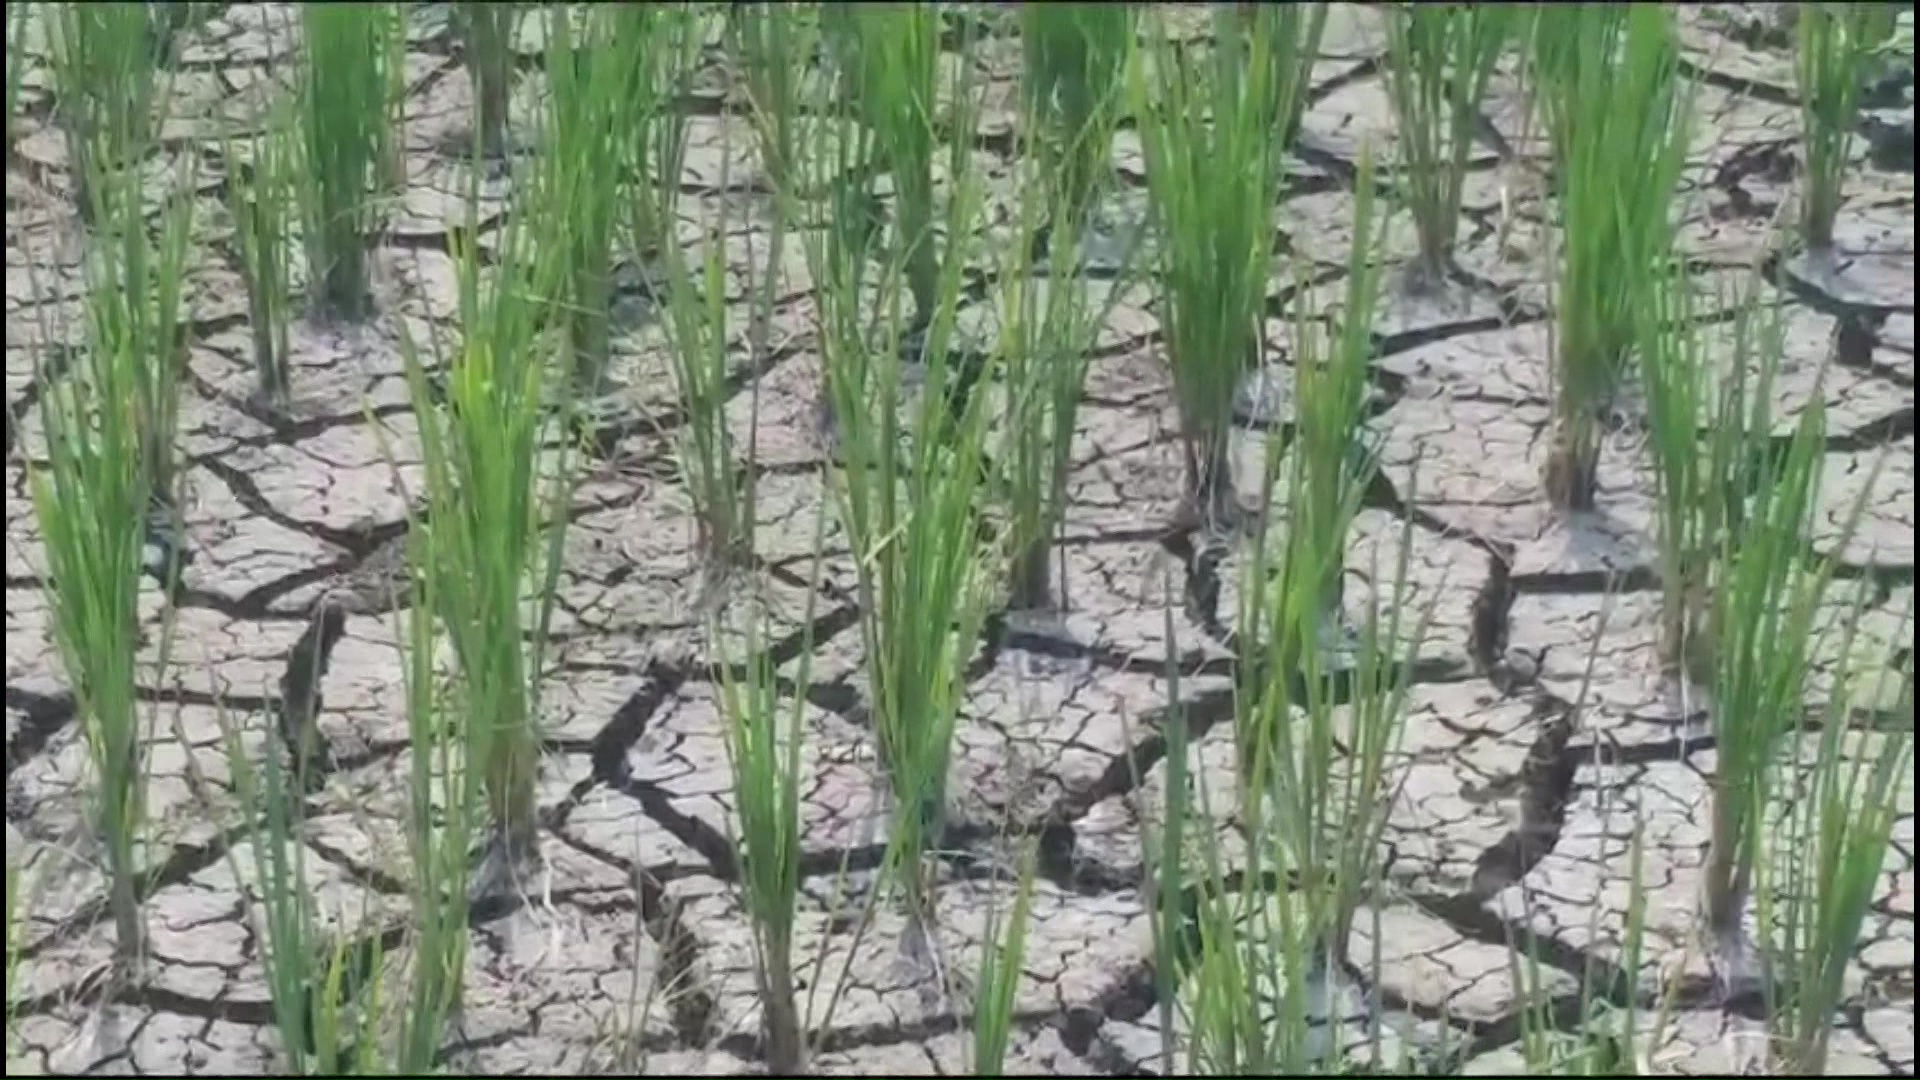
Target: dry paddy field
(1544, 750)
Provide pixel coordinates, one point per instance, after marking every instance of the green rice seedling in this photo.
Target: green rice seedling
(1295, 31)
(889, 60)
(1709, 435)
(327, 1027)
(1837, 46)
(1618, 119)
(999, 980)
(1824, 857)
(262, 192)
(908, 491)
(1213, 179)
(495, 513)
(1047, 321)
(345, 105)
(698, 341)
(1440, 58)
(1766, 598)
(108, 429)
(763, 752)
(488, 38)
(106, 90)
(456, 765)
(1074, 82)
(1331, 463)
(666, 44)
(605, 90)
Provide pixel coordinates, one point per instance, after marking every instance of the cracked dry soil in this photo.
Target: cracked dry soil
(1516, 817)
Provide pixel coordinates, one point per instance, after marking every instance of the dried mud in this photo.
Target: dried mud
(1516, 820)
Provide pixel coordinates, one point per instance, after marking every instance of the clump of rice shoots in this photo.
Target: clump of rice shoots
(487, 38)
(1048, 322)
(911, 477)
(1767, 590)
(262, 191)
(324, 1009)
(1618, 118)
(604, 75)
(1295, 31)
(1001, 952)
(1074, 85)
(1440, 59)
(107, 422)
(1837, 46)
(1213, 181)
(889, 63)
(1710, 428)
(346, 101)
(106, 91)
(1825, 852)
(496, 498)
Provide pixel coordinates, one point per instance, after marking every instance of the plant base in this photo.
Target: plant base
(1571, 477)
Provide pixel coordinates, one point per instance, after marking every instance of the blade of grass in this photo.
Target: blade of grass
(262, 190)
(1836, 50)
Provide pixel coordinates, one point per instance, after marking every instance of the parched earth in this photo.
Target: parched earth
(1518, 813)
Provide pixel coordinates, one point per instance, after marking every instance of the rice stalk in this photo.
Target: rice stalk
(1001, 953)
(889, 62)
(105, 90)
(1618, 119)
(496, 499)
(1766, 597)
(1074, 85)
(262, 191)
(908, 492)
(764, 741)
(1047, 327)
(606, 86)
(452, 771)
(1440, 59)
(487, 37)
(327, 1027)
(1710, 432)
(1838, 43)
(1824, 855)
(1213, 179)
(346, 101)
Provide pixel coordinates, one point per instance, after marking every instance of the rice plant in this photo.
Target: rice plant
(261, 191)
(1762, 625)
(346, 102)
(1001, 953)
(1331, 461)
(106, 90)
(604, 92)
(1213, 177)
(1618, 119)
(487, 38)
(1074, 85)
(456, 764)
(1295, 31)
(908, 492)
(1824, 858)
(889, 60)
(108, 428)
(496, 496)
(1710, 428)
(1837, 43)
(1440, 58)
(324, 1011)
(1046, 330)
(764, 740)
